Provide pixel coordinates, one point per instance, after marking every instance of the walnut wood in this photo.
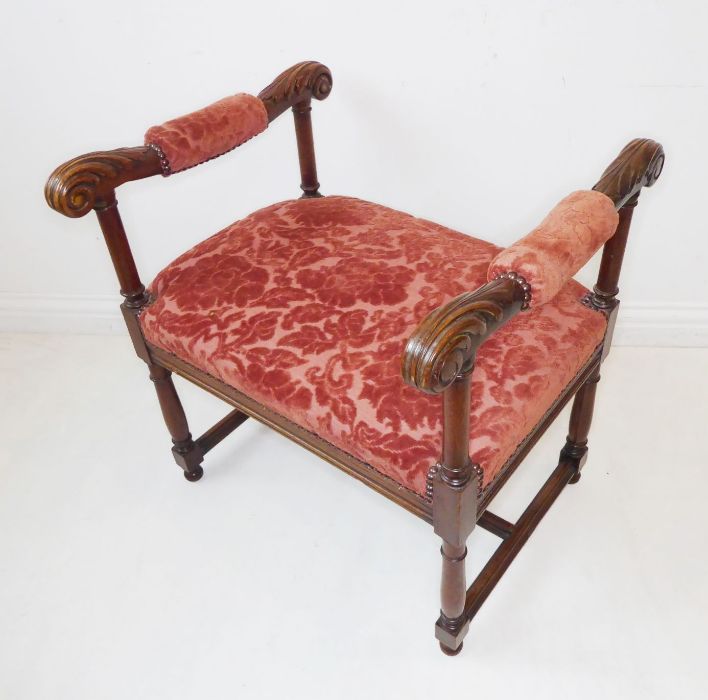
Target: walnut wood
(186, 452)
(499, 562)
(299, 83)
(512, 464)
(306, 149)
(296, 87)
(453, 577)
(452, 624)
(604, 294)
(606, 288)
(88, 181)
(576, 444)
(638, 165)
(455, 466)
(131, 288)
(412, 502)
(132, 321)
(445, 343)
(361, 470)
(220, 430)
(496, 525)
(438, 357)
(454, 491)
(171, 406)
(387, 487)
(454, 511)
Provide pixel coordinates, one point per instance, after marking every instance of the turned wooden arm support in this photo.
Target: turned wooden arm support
(638, 165)
(89, 181)
(444, 345)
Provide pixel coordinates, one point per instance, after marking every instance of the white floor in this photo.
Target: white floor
(277, 576)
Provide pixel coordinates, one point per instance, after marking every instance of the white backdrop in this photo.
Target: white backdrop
(478, 115)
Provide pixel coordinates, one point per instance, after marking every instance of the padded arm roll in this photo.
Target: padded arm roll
(207, 133)
(553, 252)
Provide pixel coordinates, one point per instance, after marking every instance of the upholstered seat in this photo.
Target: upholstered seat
(306, 307)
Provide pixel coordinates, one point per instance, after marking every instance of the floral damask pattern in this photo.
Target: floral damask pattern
(306, 306)
(209, 132)
(565, 240)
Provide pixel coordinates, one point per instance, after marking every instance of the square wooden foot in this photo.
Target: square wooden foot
(188, 456)
(450, 638)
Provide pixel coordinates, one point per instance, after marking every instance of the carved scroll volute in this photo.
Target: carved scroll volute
(302, 82)
(445, 344)
(88, 182)
(638, 165)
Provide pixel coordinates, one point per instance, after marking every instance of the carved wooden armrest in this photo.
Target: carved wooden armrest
(297, 85)
(444, 345)
(638, 165)
(88, 181)
(579, 225)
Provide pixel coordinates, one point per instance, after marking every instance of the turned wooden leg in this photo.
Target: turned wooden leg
(186, 452)
(452, 623)
(454, 514)
(576, 444)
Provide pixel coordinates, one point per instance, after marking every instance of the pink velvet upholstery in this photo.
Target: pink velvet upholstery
(306, 306)
(567, 238)
(207, 133)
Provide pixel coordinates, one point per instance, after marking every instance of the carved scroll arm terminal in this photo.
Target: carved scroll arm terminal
(638, 165)
(89, 181)
(300, 83)
(444, 346)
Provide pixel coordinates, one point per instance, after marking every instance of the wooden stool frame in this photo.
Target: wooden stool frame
(439, 357)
